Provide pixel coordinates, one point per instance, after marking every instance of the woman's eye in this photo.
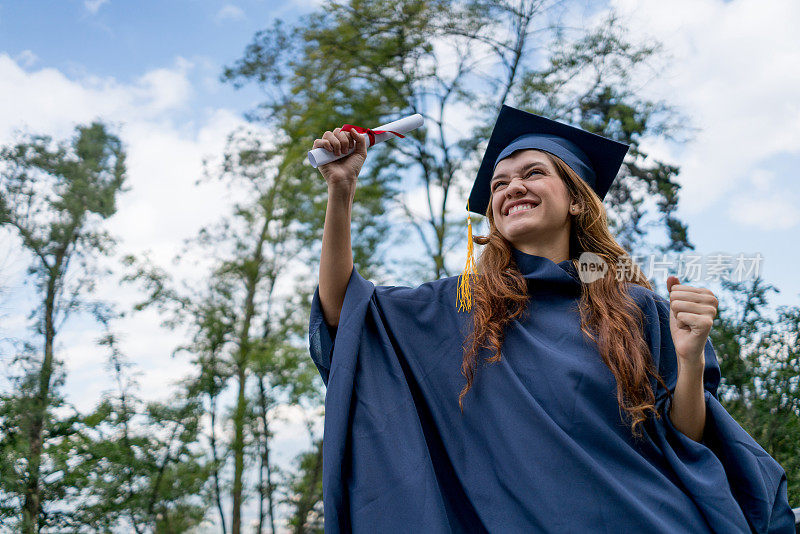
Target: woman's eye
(531, 173)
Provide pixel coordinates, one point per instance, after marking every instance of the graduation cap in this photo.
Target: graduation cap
(596, 159)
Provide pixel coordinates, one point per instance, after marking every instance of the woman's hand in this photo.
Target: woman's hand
(336, 259)
(342, 173)
(691, 314)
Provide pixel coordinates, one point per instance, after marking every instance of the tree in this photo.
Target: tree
(136, 466)
(57, 434)
(760, 364)
(304, 491)
(55, 197)
(247, 330)
(365, 62)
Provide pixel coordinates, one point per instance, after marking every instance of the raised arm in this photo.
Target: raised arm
(336, 259)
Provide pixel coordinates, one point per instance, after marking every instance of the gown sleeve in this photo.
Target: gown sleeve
(380, 447)
(728, 473)
(321, 338)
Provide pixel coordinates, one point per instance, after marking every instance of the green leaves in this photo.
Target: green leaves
(759, 353)
(140, 465)
(54, 196)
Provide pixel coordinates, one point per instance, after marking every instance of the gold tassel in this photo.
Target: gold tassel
(463, 295)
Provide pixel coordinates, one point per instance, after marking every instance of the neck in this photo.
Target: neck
(556, 252)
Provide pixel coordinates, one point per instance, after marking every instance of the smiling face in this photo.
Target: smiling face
(531, 204)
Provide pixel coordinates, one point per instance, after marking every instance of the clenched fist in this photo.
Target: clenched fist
(691, 314)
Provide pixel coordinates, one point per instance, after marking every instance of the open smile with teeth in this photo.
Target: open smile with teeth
(521, 207)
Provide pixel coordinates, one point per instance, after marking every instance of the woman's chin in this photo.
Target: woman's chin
(520, 228)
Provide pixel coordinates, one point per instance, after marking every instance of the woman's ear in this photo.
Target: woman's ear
(574, 209)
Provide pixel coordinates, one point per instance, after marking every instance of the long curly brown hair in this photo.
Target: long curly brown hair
(609, 315)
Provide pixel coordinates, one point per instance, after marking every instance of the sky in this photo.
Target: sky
(734, 73)
(152, 70)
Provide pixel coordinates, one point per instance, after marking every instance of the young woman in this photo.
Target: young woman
(555, 400)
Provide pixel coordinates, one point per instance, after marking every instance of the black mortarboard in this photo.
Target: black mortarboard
(596, 159)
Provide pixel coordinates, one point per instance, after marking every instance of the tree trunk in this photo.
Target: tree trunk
(32, 506)
(307, 499)
(238, 452)
(252, 278)
(270, 490)
(265, 490)
(215, 470)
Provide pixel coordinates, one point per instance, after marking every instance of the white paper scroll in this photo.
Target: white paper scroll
(320, 156)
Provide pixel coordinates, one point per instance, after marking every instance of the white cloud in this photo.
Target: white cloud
(229, 12)
(305, 5)
(164, 89)
(26, 58)
(163, 207)
(732, 72)
(93, 6)
(762, 179)
(770, 212)
(764, 204)
(47, 100)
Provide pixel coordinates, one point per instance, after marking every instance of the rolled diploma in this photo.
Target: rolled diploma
(320, 156)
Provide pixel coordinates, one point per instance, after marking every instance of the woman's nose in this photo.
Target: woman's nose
(515, 187)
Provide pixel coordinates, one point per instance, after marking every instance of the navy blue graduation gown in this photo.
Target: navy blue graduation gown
(540, 446)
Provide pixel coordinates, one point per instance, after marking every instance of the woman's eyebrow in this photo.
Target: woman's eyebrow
(524, 169)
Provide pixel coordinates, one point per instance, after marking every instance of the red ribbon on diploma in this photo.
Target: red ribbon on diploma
(369, 132)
